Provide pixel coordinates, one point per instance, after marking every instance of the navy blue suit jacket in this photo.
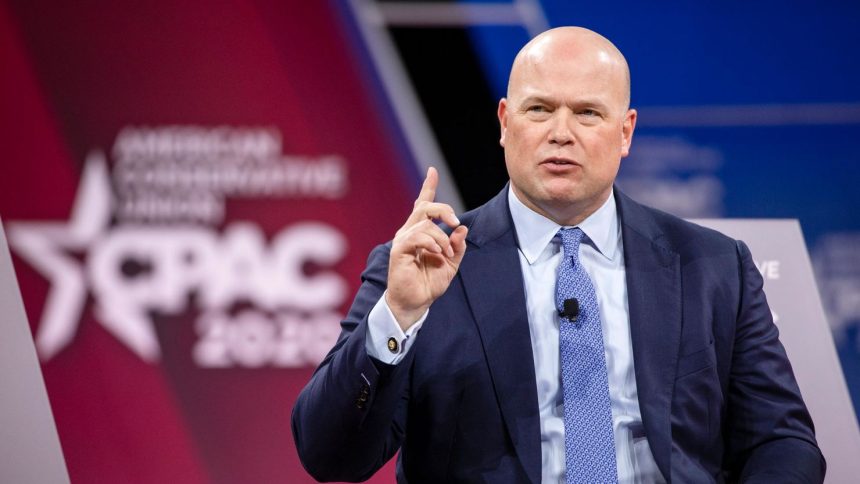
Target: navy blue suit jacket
(718, 398)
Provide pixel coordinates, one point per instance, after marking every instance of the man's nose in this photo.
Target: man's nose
(561, 132)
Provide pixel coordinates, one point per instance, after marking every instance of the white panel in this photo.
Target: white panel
(29, 446)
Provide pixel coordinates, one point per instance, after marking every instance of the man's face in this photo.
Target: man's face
(565, 127)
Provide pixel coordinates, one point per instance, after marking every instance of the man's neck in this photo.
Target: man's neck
(567, 214)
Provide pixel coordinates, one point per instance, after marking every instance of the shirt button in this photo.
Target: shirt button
(393, 346)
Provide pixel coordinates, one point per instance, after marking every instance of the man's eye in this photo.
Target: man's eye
(536, 109)
(589, 112)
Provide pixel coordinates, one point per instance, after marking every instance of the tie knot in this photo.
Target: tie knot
(570, 239)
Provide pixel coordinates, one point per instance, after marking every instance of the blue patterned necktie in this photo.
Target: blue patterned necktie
(588, 439)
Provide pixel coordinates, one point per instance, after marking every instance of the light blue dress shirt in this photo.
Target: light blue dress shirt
(540, 254)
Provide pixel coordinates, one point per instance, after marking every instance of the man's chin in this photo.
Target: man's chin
(564, 194)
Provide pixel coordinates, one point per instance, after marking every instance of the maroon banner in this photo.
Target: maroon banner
(190, 191)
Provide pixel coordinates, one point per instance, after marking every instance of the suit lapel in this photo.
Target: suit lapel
(493, 283)
(654, 301)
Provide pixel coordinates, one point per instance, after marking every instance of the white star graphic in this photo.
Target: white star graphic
(47, 246)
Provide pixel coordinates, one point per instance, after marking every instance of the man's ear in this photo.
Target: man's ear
(503, 120)
(627, 131)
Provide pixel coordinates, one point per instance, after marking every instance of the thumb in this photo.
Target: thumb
(458, 243)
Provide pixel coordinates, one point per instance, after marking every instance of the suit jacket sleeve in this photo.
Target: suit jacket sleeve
(770, 435)
(349, 420)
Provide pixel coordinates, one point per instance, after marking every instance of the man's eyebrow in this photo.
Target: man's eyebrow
(536, 99)
(594, 103)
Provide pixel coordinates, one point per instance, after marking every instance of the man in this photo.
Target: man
(567, 333)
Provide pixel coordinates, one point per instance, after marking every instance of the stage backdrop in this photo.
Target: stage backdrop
(191, 190)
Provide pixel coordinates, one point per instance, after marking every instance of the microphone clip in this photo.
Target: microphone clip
(570, 309)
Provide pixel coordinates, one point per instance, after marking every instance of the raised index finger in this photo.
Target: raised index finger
(428, 189)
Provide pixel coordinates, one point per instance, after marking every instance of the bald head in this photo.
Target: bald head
(580, 48)
(566, 123)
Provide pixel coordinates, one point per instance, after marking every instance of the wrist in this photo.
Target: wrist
(405, 317)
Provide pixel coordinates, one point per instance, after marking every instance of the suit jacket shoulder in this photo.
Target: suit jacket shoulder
(718, 396)
(672, 232)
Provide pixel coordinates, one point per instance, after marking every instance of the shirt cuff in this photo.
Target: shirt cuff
(385, 340)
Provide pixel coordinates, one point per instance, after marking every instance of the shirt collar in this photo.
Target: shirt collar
(535, 232)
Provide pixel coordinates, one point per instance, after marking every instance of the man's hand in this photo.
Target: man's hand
(423, 258)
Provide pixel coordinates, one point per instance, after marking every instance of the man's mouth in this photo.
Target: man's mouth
(559, 161)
